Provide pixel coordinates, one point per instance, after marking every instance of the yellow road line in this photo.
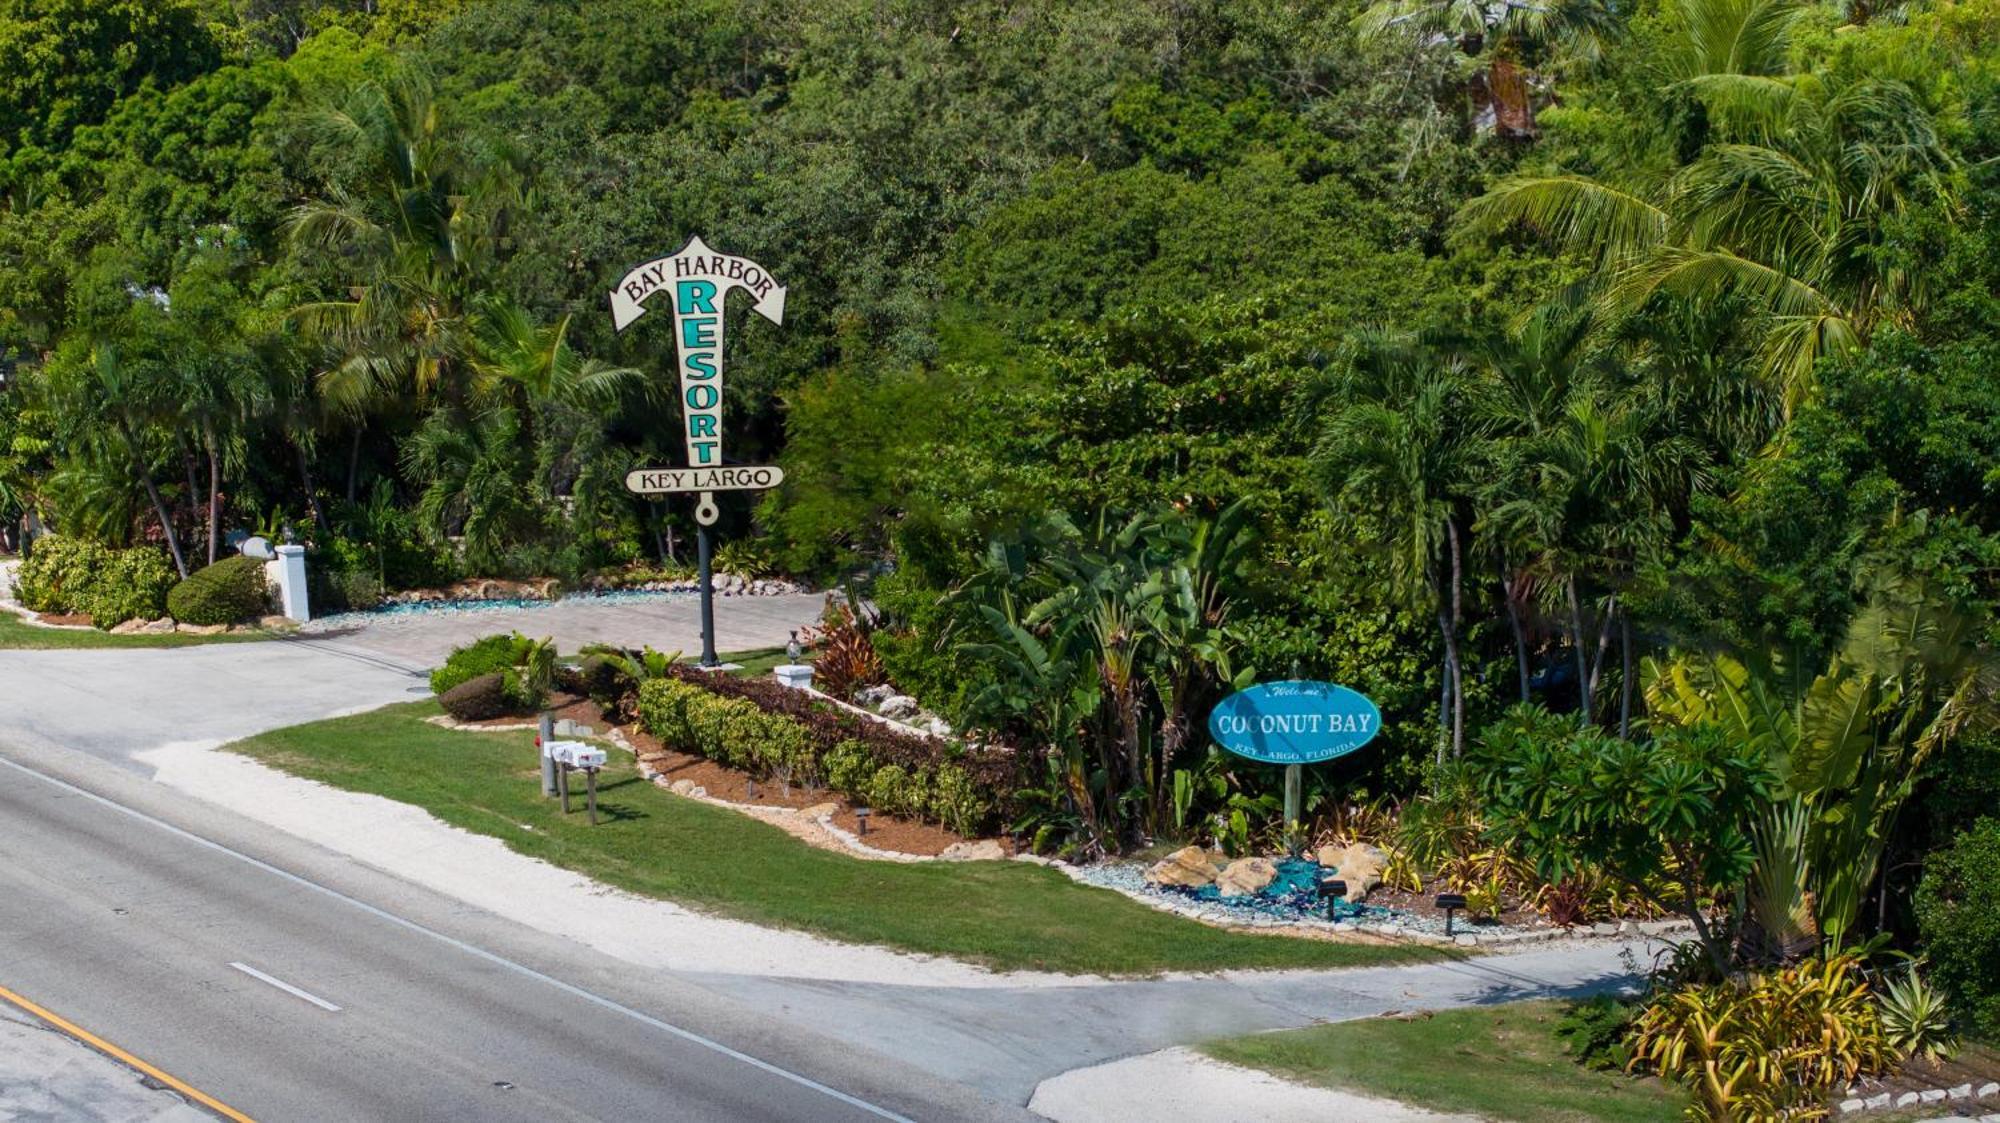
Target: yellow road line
(114, 1052)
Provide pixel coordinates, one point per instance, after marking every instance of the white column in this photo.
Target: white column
(292, 582)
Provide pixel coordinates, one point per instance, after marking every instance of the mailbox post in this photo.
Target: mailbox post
(543, 736)
(575, 756)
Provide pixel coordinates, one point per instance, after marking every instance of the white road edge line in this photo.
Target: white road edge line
(288, 988)
(474, 950)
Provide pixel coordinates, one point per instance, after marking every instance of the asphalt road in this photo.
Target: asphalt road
(291, 984)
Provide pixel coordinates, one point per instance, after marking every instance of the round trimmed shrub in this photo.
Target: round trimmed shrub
(1958, 912)
(228, 592)
(478, 699)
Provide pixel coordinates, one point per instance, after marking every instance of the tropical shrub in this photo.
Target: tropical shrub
(1958, 914)
(611, 676)
(1770, 1047)
(772, 732)
(72, 575)
(526, 667)
(230, 591)
(1672, 819)
(747, 558)
(846, 659)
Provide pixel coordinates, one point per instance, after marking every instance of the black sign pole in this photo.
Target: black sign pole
(706, 577)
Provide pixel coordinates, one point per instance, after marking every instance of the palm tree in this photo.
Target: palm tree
(1781, 212)
(476, 482)
(512, 355)
(1396, 460)
(1531, 369)
(110, 405)
(1585, 496)
(424, 220)
(1508, 38)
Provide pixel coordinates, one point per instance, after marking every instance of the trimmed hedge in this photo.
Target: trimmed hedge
(70, 575)
(764, 728)
(228, 592)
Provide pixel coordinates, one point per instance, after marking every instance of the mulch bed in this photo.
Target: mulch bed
(1425, 904)
(67, 619)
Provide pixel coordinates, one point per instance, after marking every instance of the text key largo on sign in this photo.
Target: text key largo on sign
(734, 477)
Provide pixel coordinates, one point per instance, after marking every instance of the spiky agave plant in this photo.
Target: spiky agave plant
(1915, 1018)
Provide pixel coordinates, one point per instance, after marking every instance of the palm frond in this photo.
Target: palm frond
(1575, 212)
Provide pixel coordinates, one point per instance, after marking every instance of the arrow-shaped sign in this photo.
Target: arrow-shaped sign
(698, 279)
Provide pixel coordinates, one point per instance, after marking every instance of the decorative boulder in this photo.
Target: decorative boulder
(1359, 865)
(130, 627)
(1190, 867)
(984, 850)
(899, 705)
(1246, 877)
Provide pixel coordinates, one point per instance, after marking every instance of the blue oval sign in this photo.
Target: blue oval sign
(1294, 722)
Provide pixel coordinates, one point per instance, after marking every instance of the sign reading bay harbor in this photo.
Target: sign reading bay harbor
(1294, 722)
(698, 280)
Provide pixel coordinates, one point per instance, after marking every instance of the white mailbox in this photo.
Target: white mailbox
(574, 754)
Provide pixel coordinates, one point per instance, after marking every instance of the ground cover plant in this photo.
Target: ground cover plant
(1003, 914)
(1499, 1062)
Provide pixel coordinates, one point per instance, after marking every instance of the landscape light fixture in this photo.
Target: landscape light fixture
(1331, 890)
(1450, 903)
(861, 819)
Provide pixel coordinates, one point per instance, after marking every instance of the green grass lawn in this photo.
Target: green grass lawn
(18, 633)
(1004, 914)
(1502, 1062)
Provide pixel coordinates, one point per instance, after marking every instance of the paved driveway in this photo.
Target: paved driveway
(666, 623)
(114, 703)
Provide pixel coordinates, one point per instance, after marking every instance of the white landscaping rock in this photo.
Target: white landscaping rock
(898, 705)
(1962, 1092)
(1990, 1088)
(983, 850)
